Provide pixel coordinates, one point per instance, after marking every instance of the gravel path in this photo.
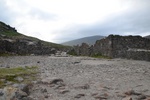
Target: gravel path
(84, 78)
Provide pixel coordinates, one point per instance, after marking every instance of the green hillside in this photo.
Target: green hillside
(7, 31)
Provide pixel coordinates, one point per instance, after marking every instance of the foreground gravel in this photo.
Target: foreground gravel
(84, 78)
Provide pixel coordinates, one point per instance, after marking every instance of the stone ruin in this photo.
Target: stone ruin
(115, 46)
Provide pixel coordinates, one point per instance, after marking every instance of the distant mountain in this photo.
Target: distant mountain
(147, 36)
(12, 42)
(89, 40)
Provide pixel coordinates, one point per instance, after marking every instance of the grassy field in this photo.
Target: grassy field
(10, 74)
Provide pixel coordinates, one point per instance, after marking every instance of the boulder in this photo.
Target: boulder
(12, 93)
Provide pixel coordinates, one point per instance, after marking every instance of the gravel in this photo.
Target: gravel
(85, 78)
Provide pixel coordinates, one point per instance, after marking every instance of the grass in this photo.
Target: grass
(9, 74)
(10, 33)
(6, 54)
(99, 55)
(72, 52)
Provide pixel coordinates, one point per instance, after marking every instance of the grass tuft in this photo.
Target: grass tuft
(99, 55)
(9, 74)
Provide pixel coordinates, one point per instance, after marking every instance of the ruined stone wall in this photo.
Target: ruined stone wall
(23, 48)
(115, 46)
(83, 50)
(103, 46)
(131, 47)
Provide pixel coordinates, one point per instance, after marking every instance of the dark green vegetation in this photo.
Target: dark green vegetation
(99, 55)
(10, 74)
(7, 30)
(72, 52)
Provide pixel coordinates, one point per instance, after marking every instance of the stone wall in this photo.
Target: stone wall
(24, 47)
(115, 46)
(103, 46)
(131, 47)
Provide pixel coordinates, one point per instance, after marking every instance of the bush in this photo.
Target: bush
(99, 55)
(72, 52)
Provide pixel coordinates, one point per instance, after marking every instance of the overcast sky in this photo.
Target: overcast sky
(62, 20)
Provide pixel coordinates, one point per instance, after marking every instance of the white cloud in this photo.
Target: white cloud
(59, 20)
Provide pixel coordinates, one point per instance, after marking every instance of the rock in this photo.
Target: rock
(19, 79)
(86, 86)
(130, 92)
(43, 90)
(20, 94)
(127, 98)
(9, 83)
(23, 87)
(1, 92)
(76, 62)
(52, 81)
(121, 95)
(2, 80)
(26, 98)
(147, 98)
(141, 97)
(79, 95)
(46, 96)
(34, 82)
(38, 61)
(101, 96)
(63, 91)
(94, 94)
(20, 86)
(27, 88)
(12, 93)
(61, 86)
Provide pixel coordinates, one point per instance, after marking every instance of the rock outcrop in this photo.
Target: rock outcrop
(115, 46)
(23, 47)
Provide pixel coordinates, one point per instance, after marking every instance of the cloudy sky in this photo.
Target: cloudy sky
(62, 20)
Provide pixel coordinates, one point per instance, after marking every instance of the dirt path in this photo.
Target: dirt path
(83, 78)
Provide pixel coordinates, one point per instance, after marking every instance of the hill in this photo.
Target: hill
(12, 42)
(89, 40)
(147, 36)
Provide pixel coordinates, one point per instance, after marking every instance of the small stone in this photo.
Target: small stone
(19, 79)
(141, 97)
(9, 83)
(38, 61)
(147, 98)
(2, 80)
(79, 95)
(7, 66)
(34, 82)
(94, 94)
(46, 96)
(52, 81)
(27, 98)
(24, 87)
(103, 96)
(63, 91)
(1, 92)
(27, 88)
(130, 92)
(43, 90)
(86, 86)
(20, 94)
(20, 86)
(127, 98)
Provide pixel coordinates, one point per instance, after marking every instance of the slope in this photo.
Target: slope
(89, 40)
